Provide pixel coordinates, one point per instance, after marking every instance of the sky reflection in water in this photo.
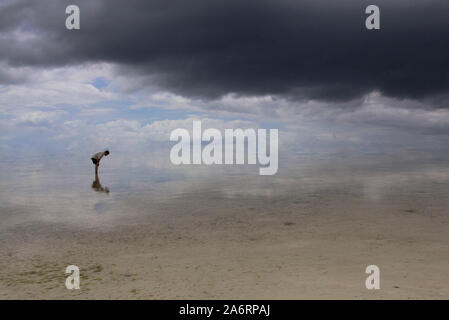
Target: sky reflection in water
(58, 190)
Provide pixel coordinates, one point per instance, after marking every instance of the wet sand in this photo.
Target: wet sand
(312, 245)
(308, 232)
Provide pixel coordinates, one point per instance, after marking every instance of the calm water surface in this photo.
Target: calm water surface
(61, 190)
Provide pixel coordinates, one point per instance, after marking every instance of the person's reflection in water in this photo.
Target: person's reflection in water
(96, 185)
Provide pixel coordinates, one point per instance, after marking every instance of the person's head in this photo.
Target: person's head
(106, 152)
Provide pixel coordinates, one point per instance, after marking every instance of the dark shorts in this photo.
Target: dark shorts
(95, 161)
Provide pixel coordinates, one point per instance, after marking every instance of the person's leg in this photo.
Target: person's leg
(95, 162)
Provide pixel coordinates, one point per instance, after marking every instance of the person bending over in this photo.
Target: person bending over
(97, 157)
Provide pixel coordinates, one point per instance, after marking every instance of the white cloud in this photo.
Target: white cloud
(50, 88)
(130, 132)
(39, 118)
(82, 115)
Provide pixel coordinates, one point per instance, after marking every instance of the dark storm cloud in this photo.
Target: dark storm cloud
(296, 49)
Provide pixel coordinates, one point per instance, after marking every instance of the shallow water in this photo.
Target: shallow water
(61, 190)
(226, 232)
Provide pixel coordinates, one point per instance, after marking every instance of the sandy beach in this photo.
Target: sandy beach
(306, 244)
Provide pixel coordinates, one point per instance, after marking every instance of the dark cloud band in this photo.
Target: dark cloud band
(296, 49)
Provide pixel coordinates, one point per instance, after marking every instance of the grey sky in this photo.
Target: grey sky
(299, 49)
(310, 66)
